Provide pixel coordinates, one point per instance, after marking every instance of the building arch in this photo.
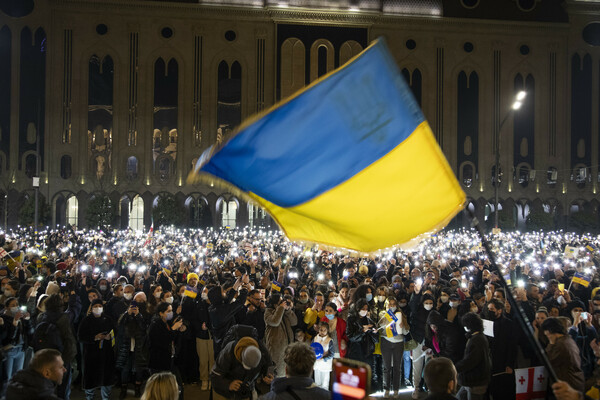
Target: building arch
(316, 68)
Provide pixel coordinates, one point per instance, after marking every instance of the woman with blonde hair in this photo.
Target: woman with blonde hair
(161, 386)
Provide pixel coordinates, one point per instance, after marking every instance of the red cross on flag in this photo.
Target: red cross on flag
(531, 383)
(3, 253)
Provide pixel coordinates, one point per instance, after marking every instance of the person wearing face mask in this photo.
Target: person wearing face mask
(503, 347)
(337, 329)
(361, 332)
(104, 289)
(117, 306)
(420, 306)
(96, 334)
(162, 335)
(17, 328)
(392, 348)
(131, 350)
(154, 298)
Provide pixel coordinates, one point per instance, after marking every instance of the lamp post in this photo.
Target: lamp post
(515, 106)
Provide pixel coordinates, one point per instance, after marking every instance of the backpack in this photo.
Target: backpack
(47, 336)
(236, 332)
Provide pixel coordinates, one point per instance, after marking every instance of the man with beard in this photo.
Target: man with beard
(222, 310)
(503, 347)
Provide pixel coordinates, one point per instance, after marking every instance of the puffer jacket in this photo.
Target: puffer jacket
(28, 384)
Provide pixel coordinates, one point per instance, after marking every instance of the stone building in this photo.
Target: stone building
(122, 96)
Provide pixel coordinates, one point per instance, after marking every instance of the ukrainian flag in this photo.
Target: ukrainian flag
(390, 316)
(190, 291)
(581, 279)
(276, 286)
(391, 330)
(350, 161)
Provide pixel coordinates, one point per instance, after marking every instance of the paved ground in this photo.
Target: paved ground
(193, 392)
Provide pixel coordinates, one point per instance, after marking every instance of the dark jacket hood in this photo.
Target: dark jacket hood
(28, 384)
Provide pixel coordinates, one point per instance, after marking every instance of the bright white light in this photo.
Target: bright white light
(521, 95)
(516, 105)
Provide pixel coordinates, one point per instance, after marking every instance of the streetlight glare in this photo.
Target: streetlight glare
(521, 95)
(516, 105)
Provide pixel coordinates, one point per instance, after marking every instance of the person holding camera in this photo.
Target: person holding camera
(238, 367)
(162, 336)
(17, 327)
(279, 320)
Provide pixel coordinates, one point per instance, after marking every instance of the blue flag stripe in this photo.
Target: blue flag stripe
(323, 136)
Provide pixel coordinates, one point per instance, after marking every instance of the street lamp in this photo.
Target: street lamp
(516, 105)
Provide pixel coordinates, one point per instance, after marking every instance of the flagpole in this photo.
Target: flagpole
(520, 314)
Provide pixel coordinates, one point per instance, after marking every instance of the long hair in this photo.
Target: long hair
(161, 386)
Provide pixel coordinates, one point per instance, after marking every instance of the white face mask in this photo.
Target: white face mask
(204, 296)
(169, 300)
(561, 300)
(444, 299)
(428, 307)
(381, 299)
(157, 295)
(97, 311)
(454, 304)
(363, 313)
(128, 296)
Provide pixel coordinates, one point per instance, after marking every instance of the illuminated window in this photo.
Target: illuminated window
(136, 215)
(72, 210)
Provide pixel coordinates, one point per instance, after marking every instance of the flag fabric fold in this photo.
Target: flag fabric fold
(349, 162)
(581, 279)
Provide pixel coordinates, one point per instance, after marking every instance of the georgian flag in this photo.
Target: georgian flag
(531, 383)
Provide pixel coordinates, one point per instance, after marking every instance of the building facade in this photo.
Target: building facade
(122, 96)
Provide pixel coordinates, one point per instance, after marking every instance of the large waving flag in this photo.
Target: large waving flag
(350, 161)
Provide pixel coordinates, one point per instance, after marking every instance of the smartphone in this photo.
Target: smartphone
(584, 315)
(134, 303)
(352, 379)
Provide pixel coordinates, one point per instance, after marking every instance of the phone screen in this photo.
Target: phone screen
(352, 379)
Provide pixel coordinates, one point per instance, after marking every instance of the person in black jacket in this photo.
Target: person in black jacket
(474, 369)
(362, 333)
(196, 311)
(503, 347)
(39, 380)
(222, 312)
(254, 314)
(443, 337)
(96, 334)
(420, 306)
(161, 342)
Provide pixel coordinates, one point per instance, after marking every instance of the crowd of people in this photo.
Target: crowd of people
(236, 312)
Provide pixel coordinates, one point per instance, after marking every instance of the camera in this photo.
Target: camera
(245, 390)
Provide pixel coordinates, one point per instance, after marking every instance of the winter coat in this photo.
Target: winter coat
(303, 387)
(418, 318)
(449, 337)
(28, 384)
(222, 313)
(16, 335)
(256, 319)
(475, 367)
(161, 345)
(361, 344)
(503, 345)
(196, 312)
(65, 327)
(228, 368)
(132, 327)
(279, 333)
(564, 358)
(98, 356)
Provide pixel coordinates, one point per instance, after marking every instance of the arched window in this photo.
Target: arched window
(72, 210)
(229, 214)
(552, 176)
(166, 92)
(65, 167)
(5, 83)
(229, 96)
(136, 215)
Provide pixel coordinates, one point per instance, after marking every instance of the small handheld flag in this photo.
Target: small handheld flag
(581, 279)
(321, 161)
(391, 329)
(390, 316)
(191, 292)
(276, 286)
